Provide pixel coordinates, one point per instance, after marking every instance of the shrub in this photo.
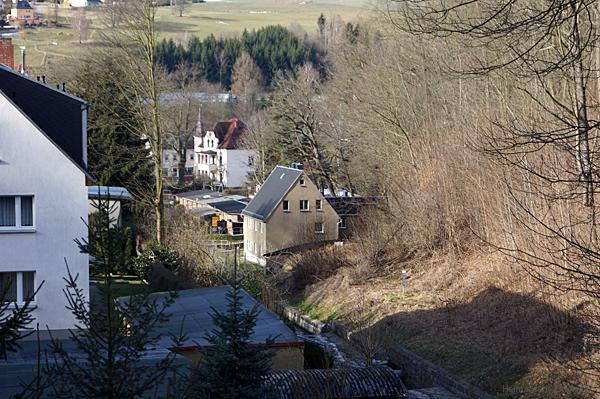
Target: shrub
(140, 266)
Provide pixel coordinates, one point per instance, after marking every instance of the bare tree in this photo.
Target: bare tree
(81, 25)
(180, 114)
(550, 50)
(181, 6)
(297, 116)
(133, 44)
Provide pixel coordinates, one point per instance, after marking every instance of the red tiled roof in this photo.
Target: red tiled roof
(230, 133)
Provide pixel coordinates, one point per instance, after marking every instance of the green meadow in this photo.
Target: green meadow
(47, 46)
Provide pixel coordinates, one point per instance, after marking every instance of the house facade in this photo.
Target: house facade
(288, 211)
(221, 155)
(43, 206)
(22, 14)
(171, 164)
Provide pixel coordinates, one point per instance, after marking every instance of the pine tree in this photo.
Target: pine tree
(233, 367)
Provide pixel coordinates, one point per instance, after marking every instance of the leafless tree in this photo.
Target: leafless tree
(181, 113)
(297, 116)
(81, 25)
(550, 148)
(133, 44)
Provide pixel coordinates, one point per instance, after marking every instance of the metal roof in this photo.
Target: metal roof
(231, 207)
(190, 315)
(350, 383)
(199, 194)
(59, 115)
(278, 184)
(107, 192)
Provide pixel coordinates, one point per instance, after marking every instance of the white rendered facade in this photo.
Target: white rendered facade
(60, 209)
(227, 166)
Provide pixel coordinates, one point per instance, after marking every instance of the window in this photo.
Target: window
(191, 157)
(261, 227)
(319, 227)
(19, 286)
(302, 182)
(304, 207)
(319, 205)
(256, 223)
(16, 212)
(286, 205)
(189, 171)
(342, 223)
(250, 161)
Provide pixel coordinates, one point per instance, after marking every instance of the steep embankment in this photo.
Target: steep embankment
(477, 316)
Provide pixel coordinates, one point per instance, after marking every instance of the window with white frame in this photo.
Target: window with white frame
(304, 206)
(319, 227)
(18, 286)
(342, 223)
(319, 205)
(286, 205)
(302, 182)
(16, 211)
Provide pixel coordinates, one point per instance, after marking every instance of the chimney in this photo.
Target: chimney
(44, 79)
(63, 86)
(7, 52)
(23, 60)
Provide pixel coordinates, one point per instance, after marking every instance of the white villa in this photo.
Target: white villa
(44, 204)
(221, 155)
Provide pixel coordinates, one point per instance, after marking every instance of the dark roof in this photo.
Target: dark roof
(277, 185)
(368, 382)
(190, 314)
(59, 115)
(106, 192)
(351, 205)
(23, 5)
(231, 207)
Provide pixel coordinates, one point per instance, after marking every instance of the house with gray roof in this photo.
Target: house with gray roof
(287, 212)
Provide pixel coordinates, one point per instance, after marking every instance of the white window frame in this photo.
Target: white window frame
(322, 231)
(283, 205)
(17, 228)
(19, 281)
(319, 205)
(307, 206)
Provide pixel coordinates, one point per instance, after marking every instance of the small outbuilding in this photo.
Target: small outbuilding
(190, 315)
(115, 196)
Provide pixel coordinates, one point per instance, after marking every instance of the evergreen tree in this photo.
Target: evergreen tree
(233, 367)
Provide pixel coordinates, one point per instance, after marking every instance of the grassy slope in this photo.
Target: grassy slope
(54, 45)
(478, 318)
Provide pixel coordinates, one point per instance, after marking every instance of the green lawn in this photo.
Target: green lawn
(55, 45)
(124, 285)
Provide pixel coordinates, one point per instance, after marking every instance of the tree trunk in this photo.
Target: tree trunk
(583, 145)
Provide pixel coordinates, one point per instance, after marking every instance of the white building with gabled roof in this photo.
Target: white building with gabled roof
(44, 201)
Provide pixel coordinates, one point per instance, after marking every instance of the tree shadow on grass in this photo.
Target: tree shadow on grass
(491, 341)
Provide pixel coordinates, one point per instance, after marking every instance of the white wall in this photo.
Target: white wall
(60, 204)
(236, 167)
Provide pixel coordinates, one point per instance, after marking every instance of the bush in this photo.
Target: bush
(140, 266)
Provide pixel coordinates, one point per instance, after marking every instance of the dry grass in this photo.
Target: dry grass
(476, 315)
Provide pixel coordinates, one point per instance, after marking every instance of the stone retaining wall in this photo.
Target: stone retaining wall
(423, 373)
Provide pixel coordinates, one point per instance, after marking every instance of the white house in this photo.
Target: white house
(171, 163)
(222, 154)
(43, 197)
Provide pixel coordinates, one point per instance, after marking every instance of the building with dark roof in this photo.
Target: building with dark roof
(223, 154)
(59, 115)
(358, 383)
(288, 211)
(350, 209)
(43, 195)
(190, 315)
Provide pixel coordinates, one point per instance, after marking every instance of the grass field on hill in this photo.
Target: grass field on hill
(52, 45)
